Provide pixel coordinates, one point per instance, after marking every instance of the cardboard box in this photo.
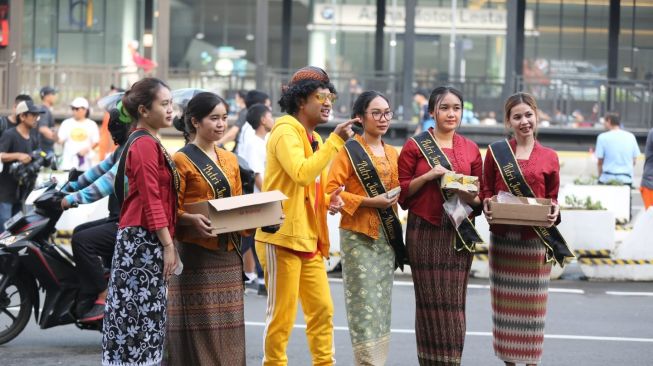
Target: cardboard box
(451, 180)
(244, 212)
(521, 213)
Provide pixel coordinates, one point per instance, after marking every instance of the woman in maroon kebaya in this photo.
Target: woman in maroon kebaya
(135, 317)
(439, 271)
(519, 271)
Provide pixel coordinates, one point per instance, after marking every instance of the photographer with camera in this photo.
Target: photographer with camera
(16, 146)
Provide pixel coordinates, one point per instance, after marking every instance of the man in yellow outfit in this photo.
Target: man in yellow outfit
(293, 257)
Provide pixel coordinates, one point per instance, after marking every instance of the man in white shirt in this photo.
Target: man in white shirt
(252, 149)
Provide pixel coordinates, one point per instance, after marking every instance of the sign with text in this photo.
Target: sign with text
(427, 19)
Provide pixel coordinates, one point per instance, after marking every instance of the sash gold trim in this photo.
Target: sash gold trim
(369, 178)
(556, 246)
(466, 235)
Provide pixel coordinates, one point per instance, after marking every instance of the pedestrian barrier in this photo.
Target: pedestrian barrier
(614, 262)
(593, 253)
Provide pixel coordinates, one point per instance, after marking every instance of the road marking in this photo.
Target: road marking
(489, 334)
(620, 293)
(475, 286)
(567, 290)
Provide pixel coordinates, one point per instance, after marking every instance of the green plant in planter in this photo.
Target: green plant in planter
(586, 181)
(574, 203)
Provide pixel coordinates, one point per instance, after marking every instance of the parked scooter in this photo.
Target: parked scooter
(31, 264)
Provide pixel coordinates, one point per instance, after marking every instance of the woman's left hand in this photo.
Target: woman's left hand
(336, 204)
(468, 197)
(553, 216)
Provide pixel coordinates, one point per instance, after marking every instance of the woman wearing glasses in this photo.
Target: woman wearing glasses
(440, 254)
(368, 258)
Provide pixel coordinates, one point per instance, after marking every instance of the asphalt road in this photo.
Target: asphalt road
(588, 323)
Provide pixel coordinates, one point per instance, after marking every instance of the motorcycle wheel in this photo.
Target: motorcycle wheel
(15, 308)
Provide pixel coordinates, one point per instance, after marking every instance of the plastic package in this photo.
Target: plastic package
(457, 210)
(507, 197)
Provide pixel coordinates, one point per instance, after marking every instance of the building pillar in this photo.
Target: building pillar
(514, 46)
(409, 60)
(261, 52)
(379, 36)
(162, 17)
(286, 27)
(613, 50)
(12, 54)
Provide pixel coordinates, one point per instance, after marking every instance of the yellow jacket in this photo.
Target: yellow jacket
(292, 168)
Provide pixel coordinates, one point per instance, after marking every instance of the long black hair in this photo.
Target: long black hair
(200, 106)
(143, 92)
(439, 93)
(363, 101)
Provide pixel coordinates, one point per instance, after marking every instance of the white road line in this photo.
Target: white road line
(475, 286)
(621, 293)
(567, 290)
(489, 334)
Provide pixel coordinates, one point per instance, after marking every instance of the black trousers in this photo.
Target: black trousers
(92, 240)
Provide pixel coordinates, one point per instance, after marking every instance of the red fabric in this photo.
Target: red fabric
(151, 201)
(318, 193)
(427, 203)
(144, 63)
(542, 173)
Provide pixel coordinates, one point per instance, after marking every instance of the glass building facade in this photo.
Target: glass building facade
(562, 36)
(565, 46)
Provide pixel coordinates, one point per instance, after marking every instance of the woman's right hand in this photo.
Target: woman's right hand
(435, 172)
(382, 201)
(486, 209)
(202, 225)
(170, 261)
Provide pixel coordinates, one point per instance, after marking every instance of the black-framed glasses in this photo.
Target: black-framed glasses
(378, 114)
(322, 97)
(76, 108)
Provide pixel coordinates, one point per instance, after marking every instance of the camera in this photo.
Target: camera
(26, 174)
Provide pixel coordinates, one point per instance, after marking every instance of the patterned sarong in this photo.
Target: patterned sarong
(367, 272)
(519, 283)
(135, 315)
(206, 322)
(440, 275)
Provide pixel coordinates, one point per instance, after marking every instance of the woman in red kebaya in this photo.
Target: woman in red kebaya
(439, 266)
(135, 317)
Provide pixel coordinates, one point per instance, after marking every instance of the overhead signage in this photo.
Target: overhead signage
(435, 20)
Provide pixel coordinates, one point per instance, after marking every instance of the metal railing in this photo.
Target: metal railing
(633, 99)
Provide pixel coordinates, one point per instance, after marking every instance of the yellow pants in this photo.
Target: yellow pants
(289, 278)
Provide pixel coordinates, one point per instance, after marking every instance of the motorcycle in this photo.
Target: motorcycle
(31, 264)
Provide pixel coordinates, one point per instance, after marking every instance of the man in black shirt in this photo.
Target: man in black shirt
(16, 145)
(7, 122)
(46, 128)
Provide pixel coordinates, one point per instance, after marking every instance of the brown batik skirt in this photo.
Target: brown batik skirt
(440, 276)
(206, 323)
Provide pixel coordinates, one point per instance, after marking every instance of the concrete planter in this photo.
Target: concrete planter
(615, 199)
(588, 229)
